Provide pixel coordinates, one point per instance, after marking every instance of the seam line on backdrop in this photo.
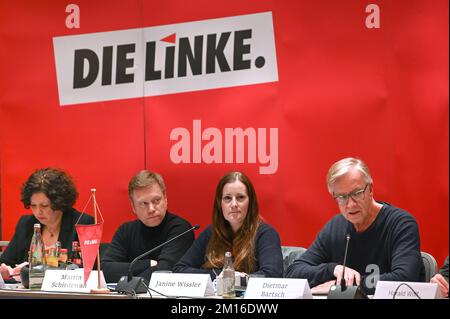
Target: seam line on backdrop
(144, 109)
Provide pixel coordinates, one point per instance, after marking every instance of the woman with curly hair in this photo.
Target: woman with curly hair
(51, 194)
(238, 228)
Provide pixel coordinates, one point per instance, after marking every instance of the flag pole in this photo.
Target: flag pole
(99, 290)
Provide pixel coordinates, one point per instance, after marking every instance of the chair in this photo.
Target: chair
(102, 249)
(290, 254)
(3, 245)
(430, 264)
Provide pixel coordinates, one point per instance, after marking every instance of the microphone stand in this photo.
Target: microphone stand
(343, 284)
(341, 291)
(138, 285)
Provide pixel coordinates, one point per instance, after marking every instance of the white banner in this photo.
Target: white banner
(159, 60)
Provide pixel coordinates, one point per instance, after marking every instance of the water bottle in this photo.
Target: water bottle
(75, 258)
(228, 277)
(37, 259)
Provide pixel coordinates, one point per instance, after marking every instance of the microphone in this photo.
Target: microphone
(343, 284)
(342, 291)
(139, 285)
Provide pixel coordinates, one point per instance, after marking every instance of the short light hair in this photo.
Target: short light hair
(345, 165)
(145, 179)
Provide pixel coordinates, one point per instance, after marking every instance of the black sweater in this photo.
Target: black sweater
(134, 238)
(269, 260)
(18, 247)
(392, 242)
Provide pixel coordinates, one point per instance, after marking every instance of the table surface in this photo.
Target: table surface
(14, 291)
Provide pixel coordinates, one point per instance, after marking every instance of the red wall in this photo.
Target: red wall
(343, 90)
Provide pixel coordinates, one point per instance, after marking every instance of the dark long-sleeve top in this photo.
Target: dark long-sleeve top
(269, 260)
(135, 238)
(391, 242)
(18, 247)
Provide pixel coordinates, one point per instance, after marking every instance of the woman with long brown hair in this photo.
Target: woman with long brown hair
(236, 227)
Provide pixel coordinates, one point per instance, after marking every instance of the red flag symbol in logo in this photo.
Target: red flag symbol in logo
(171, 38)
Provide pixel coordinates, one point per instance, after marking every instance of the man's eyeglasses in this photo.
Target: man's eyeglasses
(357, 195)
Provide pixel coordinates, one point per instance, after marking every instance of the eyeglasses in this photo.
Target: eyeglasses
(357, 195)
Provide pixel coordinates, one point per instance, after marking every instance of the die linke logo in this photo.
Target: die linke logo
(159, 60)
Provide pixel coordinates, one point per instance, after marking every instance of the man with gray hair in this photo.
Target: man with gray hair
(154, 225)
(384, 240)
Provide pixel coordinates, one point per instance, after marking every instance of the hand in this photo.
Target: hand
(323, 288)
(442, 284)
(16, 270)
(5, 271)
(351, 275)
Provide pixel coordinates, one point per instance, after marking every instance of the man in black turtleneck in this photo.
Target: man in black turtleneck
(154, 226)
(384, 240)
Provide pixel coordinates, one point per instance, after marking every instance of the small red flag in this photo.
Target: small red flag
(90, 237)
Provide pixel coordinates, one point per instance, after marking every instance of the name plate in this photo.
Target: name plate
(71, 281)
(406, 290)
(179, 284)
(277, 288)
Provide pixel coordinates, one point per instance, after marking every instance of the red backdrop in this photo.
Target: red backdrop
(343, 90)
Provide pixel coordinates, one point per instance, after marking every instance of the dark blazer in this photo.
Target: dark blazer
(18, 247)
